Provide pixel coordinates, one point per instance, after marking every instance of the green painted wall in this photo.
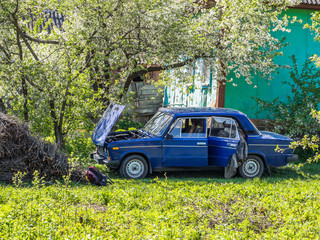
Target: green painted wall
(301, 44)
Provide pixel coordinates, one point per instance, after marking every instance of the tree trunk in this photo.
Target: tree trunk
(25, 99)
(2, 106)
(24, 86)
(57, 128)
(59, 137)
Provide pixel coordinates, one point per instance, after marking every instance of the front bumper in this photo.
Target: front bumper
(292, 158)
(98, 158)
(104, 160)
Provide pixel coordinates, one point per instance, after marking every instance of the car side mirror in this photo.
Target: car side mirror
(169, 136)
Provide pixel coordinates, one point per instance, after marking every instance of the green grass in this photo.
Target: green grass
(176, 206)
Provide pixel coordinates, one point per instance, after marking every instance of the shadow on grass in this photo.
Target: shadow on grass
(291, 171)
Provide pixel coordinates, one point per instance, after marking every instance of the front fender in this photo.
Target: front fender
(144, 154)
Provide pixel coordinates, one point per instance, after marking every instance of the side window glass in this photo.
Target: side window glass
(233, 131)
(193, 128)
(223, 127)
(176, 130)
(189, 128)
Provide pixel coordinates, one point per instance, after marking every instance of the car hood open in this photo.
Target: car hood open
(105, 124)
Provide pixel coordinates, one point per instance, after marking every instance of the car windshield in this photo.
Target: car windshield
(158, 123)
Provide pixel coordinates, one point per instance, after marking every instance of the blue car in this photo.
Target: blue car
(176, 139)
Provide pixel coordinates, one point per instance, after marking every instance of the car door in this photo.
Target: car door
(223, 141)
(187, 145)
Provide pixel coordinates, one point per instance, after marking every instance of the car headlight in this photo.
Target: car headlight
(103, 151)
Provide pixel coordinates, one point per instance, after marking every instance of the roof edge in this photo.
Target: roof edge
(307, 6)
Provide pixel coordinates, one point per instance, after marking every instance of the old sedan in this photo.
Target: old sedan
(190, 139)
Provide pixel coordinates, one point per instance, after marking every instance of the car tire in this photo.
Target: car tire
(134, 167)
(252, 167)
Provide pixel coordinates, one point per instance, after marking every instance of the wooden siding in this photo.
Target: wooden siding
(147, 100)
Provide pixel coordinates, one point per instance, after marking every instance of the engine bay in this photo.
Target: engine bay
(118, 136)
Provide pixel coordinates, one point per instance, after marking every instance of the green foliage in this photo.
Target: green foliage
(163, 208)
(18, 178)
(59, 82)
(78, 147)
(120, 130)
(128, 123)
(292, 117)
(37, 180)
(309, 142)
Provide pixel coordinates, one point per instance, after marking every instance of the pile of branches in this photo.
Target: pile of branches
(20, 151)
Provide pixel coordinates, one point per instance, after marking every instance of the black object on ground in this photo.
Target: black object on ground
(97, 178)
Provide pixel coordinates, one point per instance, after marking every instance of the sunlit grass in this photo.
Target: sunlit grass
(189, 205)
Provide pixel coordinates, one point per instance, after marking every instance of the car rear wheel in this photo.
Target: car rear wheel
(253, 167)
(134, 166)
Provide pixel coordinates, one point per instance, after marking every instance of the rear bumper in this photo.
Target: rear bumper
(292, 158)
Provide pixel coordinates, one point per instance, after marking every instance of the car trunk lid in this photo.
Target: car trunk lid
(277, 136)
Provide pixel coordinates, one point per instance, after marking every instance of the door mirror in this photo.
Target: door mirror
(169, 136)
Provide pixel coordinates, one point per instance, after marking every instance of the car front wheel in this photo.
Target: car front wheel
(253, 167)
(134, 166)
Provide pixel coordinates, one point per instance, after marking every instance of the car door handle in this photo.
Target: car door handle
(232, 145)
(201, 143)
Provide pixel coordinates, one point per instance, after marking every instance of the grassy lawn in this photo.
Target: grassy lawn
(172, 206)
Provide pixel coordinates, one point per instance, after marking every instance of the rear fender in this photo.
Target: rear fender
(262, 156)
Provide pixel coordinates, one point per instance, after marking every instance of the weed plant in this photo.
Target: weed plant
(170, 206)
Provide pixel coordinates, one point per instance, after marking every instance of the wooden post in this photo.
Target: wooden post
(221, 86)
(221, 92)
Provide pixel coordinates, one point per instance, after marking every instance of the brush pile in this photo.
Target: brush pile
(22, 152)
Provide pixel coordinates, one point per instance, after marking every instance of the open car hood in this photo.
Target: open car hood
(105, 124)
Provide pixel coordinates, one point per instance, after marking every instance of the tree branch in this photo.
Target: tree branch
(154, 69)
(8, 56)
(29, 47)
(19, 32)
(161, 68)
(39, 40)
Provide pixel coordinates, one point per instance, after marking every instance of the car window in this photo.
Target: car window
(223, 127)
(158, 123)
(189, 128)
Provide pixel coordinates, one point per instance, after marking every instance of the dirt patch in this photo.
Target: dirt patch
(94, 206)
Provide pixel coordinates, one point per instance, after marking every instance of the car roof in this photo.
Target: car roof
(243, 120)
(205, 111)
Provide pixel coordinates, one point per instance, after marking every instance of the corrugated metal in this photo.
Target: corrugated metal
(57, 20)
(311, 2)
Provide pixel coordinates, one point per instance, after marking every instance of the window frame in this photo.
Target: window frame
(237, 137)
(179, 119)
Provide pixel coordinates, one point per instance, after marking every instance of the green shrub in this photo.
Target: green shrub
(78, 147)
(127, 122)
(310, 143)
(292, 117)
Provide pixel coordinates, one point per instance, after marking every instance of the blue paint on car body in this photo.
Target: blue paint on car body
(167, 145)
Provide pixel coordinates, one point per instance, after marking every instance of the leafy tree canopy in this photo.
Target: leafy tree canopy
(59, 80)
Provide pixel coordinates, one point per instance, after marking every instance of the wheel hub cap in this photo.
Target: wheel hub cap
(251, 167)
(135, 168)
